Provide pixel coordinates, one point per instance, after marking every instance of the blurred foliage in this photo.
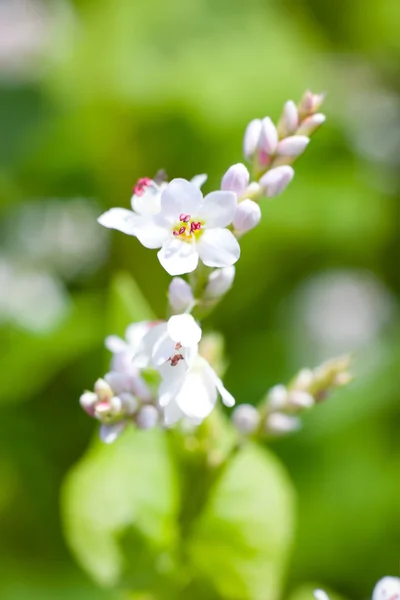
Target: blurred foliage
(117, 90)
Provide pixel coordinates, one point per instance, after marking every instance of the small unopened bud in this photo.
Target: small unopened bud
(320, 595)
(300, 399)
(246, 418)
(310, 103)
(268, 137)
(387, 588)
(103, 390)
(277, 397)
(88, 402)
(278, 424)
(219, 282)
(311, 124)
(293, 146)
(342, 379)
(130, 404)
(247, 216)
(110, 432)
(289, 120)
(251, 138)
(276, 180)
(236, 179)
(147, 417)
(180, 295)
(303, 379)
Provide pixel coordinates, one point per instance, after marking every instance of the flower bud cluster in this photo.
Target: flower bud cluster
(278, 413)
(117, 399)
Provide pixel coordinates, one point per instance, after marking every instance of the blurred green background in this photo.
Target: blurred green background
(97, 93)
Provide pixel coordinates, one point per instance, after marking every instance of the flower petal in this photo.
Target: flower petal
(109, 433)
(199, 180)
(226, 396)
(197, 395)
(135, 333)
(184, 329)
(180, 196)
(119, 218)
(151, 231)
(115, 344)
(144, 352)
(218, 248)
(178, 257)
(163, 350)
(218, 209)
(148, 203)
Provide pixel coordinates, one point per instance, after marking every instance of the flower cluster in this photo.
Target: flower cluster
(278, 412)
(158, 375)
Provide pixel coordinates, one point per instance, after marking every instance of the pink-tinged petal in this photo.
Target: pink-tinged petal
(218, 248)
(236, 179)
(178, 257)
(289, 121)
(293, 146)
(151, 231)
(180, 197)
(109, 433)
(268, 136)
(251, 138)
(88, 402)
(184, 329)
(119, 218)
(247, 216)
(276, 180)
(115, 344)
(218, 209)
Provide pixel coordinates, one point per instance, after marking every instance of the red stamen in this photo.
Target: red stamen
(184, 218)
(175, 359)
(141, 186)
(195, 226)
(182, 230)
(175, 232)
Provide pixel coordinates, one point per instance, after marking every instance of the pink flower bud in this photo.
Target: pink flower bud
(103, 390)
(268, 137)
(310, 103)
(293, 146)
(276, 180)
(246, 418)
(219, 282)
(387, 588)
(236, 179)
(180, 295)
(88, 402)
(251, 138)
(247, 216)
(311, 124)
(289, 120)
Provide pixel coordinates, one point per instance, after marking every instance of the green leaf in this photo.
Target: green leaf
(116, 501)
(126, 304)
(241, 540)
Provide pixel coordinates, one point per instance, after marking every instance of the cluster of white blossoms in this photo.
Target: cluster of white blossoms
(157, 374)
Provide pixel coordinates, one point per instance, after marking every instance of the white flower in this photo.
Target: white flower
(174, 342)
(124, 350)
(219, 282)
(145, 202)
(236, 179)
(189, 227)
(191, 393)
(387, 588)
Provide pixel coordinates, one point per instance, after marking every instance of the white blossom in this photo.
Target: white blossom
(387, 588)
(173, 342)
(124, 350)
(145, 203)
(190, 227)
(191, 393)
